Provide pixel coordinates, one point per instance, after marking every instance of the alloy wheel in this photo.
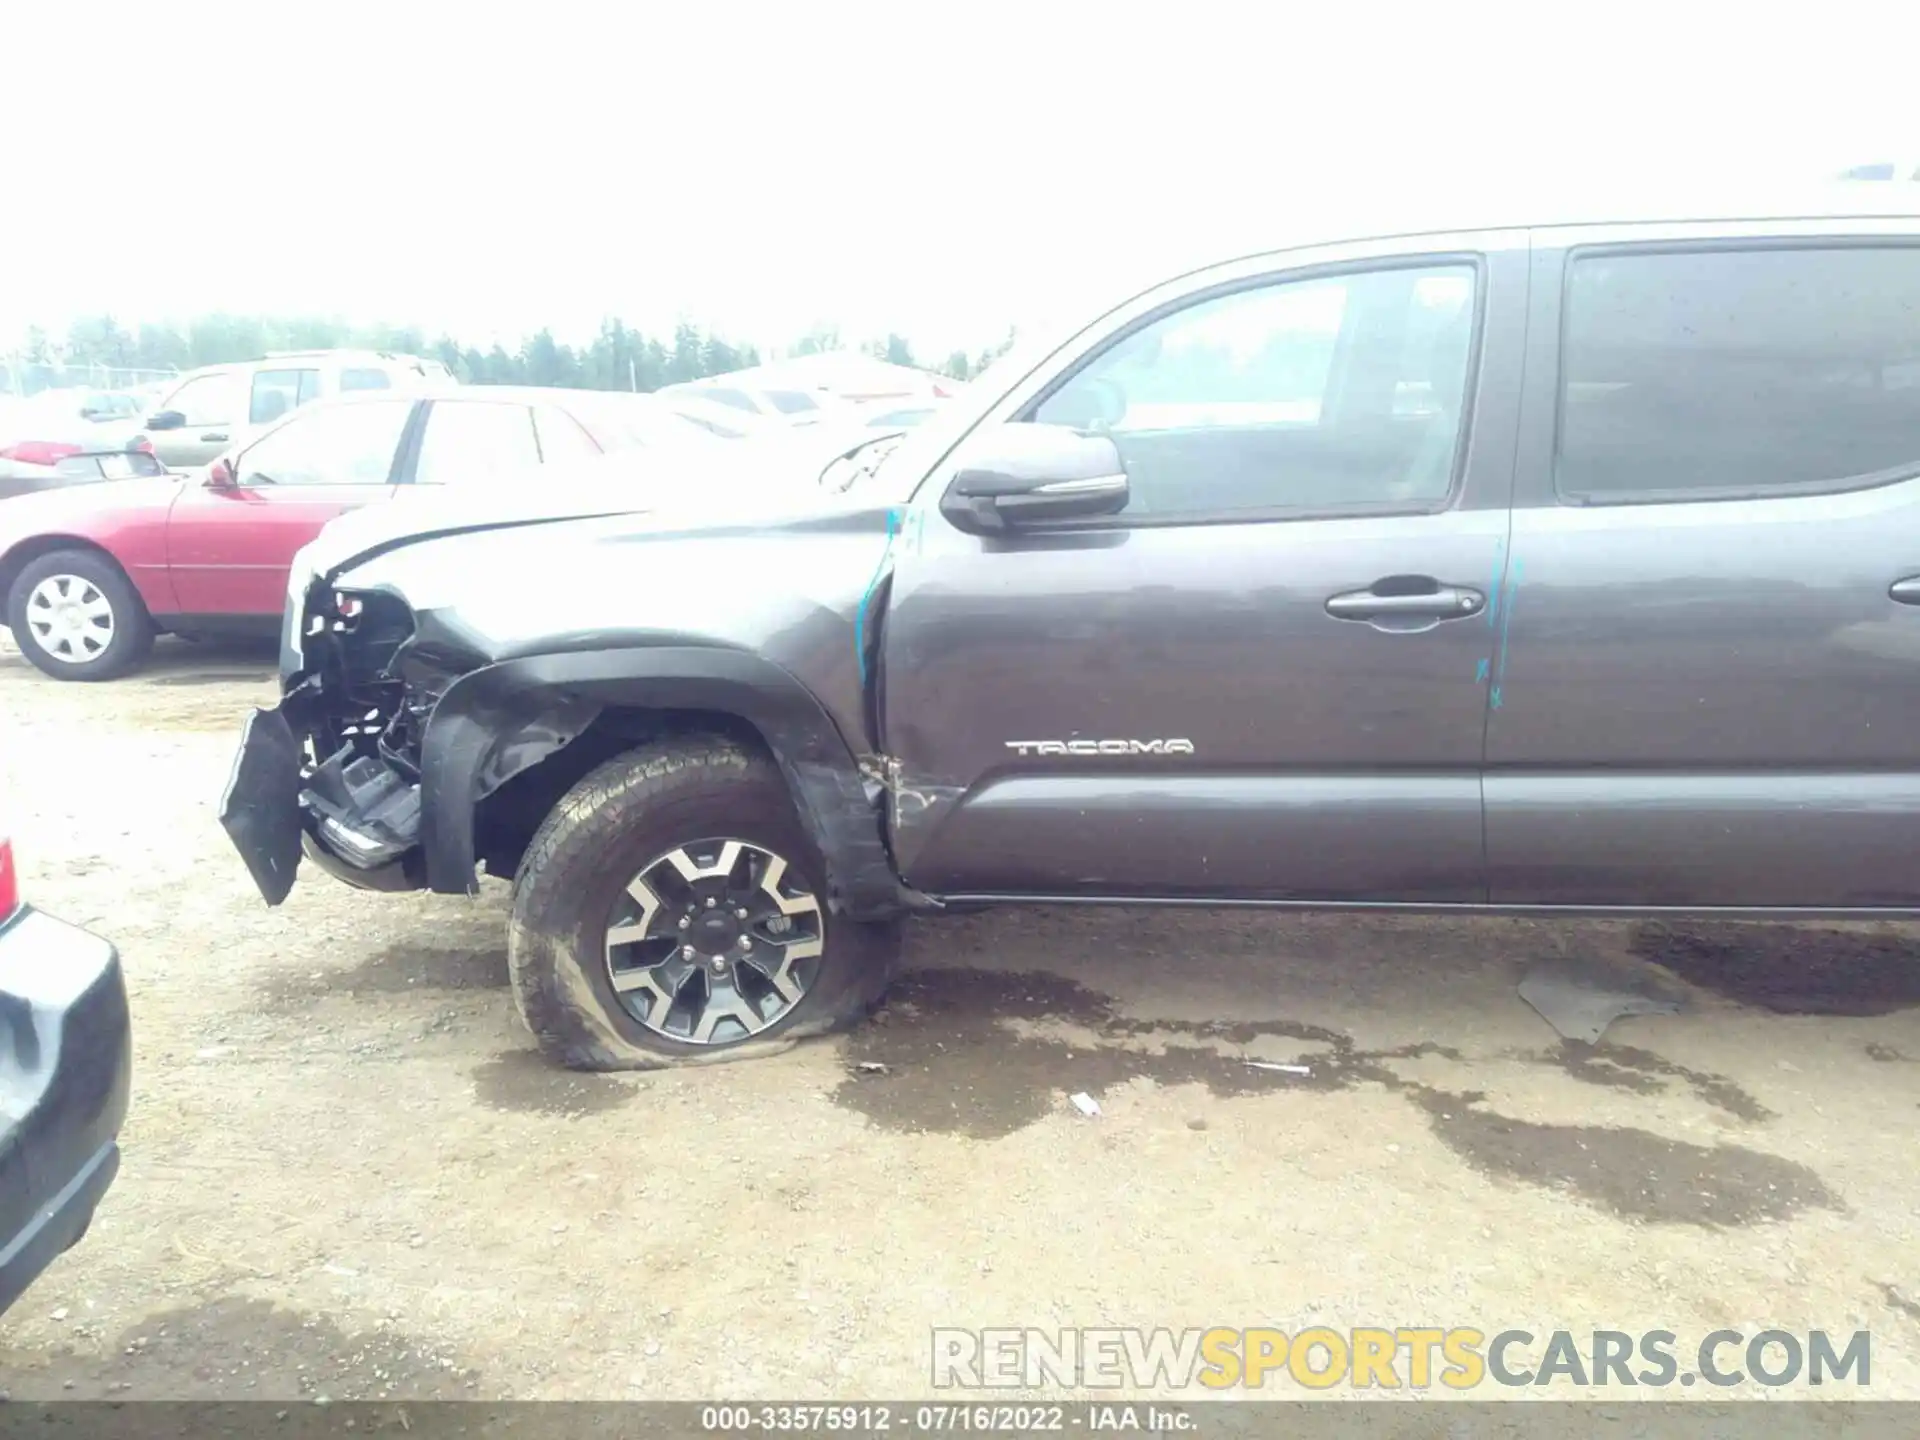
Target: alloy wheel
(713, 942)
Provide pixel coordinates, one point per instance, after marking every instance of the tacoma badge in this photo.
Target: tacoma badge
(1101, 747)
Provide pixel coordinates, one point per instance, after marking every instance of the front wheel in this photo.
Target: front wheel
(672, 910)
(75, 615)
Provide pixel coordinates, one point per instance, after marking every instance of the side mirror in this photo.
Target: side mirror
(1030, 472)
(166, 420)
(220, 476)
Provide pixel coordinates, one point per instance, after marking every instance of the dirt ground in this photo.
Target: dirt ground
(347, 1173)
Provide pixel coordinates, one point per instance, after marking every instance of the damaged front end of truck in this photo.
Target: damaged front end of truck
(441, 693)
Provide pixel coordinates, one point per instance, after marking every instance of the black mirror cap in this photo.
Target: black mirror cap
(1028, 473)
(166, 420)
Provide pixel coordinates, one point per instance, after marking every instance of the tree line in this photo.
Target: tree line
(619, 357)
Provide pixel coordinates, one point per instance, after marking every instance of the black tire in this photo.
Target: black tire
(132, 626)
(622, 816)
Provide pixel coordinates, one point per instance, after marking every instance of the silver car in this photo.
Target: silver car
(40, 431)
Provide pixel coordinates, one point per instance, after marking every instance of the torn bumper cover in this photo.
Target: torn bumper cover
(353, 817)
(381, 826)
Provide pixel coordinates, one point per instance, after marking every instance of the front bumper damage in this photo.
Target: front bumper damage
(390, 760)
(330, 774)
(354, 817)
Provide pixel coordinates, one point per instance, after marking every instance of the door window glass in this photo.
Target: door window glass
(1730, 373)
(469, 441)
(329, 445)
(364, 379)
(208, 400)
(1315, 394)
(275, 392)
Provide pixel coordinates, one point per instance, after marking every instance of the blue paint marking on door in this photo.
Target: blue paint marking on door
(866, 597)
(1506, 622)
(1493, 585)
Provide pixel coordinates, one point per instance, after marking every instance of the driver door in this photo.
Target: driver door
(1264, 678)
(229, 549)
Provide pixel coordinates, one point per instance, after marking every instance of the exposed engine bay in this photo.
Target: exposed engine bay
(364, 710)
(355, 719)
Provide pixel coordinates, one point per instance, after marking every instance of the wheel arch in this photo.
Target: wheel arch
(25, 552)
(495, 731)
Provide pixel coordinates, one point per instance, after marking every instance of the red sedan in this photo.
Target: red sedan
(92, 572)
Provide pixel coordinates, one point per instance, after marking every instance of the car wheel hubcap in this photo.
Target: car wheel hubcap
(70, 619)
(713, 942)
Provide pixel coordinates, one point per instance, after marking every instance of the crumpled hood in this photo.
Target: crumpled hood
(793, 583)
(713, 482)
(742, 545)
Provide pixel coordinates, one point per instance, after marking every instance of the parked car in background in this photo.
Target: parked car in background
(897, 417)
(90, 573)
(103, 463)
(726, 421)
(775, 468)
(37, 433)
(212, 408)
(111, 405)
(783, 406)
(65, 1074)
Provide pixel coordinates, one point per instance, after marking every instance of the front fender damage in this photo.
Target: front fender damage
(887, 776)
(474, 744)
(502, 720)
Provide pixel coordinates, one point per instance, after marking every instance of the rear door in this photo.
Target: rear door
(475, 442)
(1709, 661)
(229, 550)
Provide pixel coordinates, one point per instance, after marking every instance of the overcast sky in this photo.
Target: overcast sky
(943, 169)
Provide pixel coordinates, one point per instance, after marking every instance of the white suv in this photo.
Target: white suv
(207, 410)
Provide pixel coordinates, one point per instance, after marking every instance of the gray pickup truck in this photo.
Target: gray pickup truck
(1557, 567)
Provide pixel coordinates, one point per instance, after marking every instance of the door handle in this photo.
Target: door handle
(1442, 602)
(1907, 591)
(219, 435)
